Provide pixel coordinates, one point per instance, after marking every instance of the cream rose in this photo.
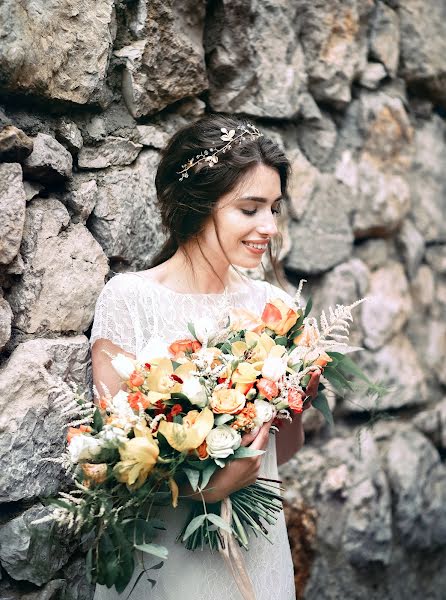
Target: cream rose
(274, 368)
(229, 401)
(222, 441)
(205, 329)
(84, 447)
(264, 412)
(196, 393)
(123, 365)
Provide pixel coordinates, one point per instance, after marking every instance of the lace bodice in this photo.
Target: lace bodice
(132, 311)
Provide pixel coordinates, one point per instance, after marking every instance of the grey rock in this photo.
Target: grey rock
(78, 587)
(395, 366)
(248, 71)
(49, 160)
(372, 76)
(375, 253)
(388, 307)
(6, 317)
(385, 38)
(15, 145)
(418, 481)
(12, 209)
(68, 134)
(317, 139)
(81, 196)
(411, 244)
(436, 258)
(125, 221)
(429, 339)
(422, 287)
(32, 189)
(58, 49)
(334, 38)
(326, 226)
(168, 64)
(30, 551)
(53, 590)
(423, 46)
(64, 272)
(113, 151)
(33, 378)
(432, 423)
(428, 180)
(152, 136)
(302, 183)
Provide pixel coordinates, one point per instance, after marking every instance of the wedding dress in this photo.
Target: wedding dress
(133, 311)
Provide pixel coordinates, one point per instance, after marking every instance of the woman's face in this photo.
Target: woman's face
(246, 220)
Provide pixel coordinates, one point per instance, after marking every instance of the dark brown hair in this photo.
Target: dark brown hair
(186, 205)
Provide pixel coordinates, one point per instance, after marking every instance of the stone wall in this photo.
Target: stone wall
(355, 91)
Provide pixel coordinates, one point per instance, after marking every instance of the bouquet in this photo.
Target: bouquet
(180, 417)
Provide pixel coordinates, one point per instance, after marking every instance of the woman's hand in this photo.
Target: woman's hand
(312, 388)
(238, 473)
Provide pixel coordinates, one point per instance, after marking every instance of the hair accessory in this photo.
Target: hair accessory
(210, 156)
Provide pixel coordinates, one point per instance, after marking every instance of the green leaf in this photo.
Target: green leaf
(180, 396)
(193, 477)
(281, 340)
(219, 462)
(191, 328)
(89, 566)
(154, 550)
(217, 520)
(207, 474)
(222, 419)
(308, 307)
(193, 526)
(245, 452)
(337, 379)
(98, 422)
(348, 367)
(321, 403)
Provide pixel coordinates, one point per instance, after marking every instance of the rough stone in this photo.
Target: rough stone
(152, 136)
(411, 245)
(58, 49)
(249, 72)
(433, 423)
(428, 180)
(6, 317)
(53, 590)
(113, 151)
(375, 253)
(326, 227)
(49, 160)
(15, 145)
(388, 307)
(31, 551)
(418, 481)
(32, 425)
(429, 339)
(334, 38)
(423, 46)
(422, 287)
(32, 189)
(395, 366)
(436, 258)
(124, 220)
(302, 183)
(168, 64)
(12, 210)
(64, 272)
(317, 139)
(385, 38)
(68, 134)
(372, 76)
(78, 587)
(81, 196)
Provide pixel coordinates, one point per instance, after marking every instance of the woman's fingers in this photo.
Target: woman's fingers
(313, 384)
(261, 439)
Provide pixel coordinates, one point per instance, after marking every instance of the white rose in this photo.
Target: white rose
(122, 413)
(274, 368)
(196, 393)
(222, 441)
(264, 412)
(205, 329)
(83, 447)
(156, 348)
(123, 365)
(113, 435)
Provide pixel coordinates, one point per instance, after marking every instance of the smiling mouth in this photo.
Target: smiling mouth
(259, 247)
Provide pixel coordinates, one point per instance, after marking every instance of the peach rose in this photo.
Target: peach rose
(136, 379)
(72, 431)
(323, 360)
(279, 317)
(95, 472)
(295, 400)
(179, 348)
(228, 401)
(136, 399)
(268, 388)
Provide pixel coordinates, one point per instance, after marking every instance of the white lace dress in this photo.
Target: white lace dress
(132, 311)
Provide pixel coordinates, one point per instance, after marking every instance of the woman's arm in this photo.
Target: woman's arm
(289, 439)
(103, 372)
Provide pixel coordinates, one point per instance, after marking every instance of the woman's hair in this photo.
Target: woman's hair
(187, 205)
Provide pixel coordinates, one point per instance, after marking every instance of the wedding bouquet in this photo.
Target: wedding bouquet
(181, 417)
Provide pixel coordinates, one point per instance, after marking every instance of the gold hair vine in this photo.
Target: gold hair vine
(210, 156)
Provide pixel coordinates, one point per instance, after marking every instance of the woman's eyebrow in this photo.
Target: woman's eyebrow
(259, 199)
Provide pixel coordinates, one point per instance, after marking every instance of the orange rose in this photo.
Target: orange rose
(95, 473)
(267, 388)
(245, 419)
(190, 418)
(137, 398)
(72, 431)
(295, 400)
(322, 360)
(279, 317)
(305, 338)
(179, 348)
(202, 451)
(228, 401)
(136, 379)
(243, 319)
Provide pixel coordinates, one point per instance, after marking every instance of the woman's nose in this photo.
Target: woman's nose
(268, 226)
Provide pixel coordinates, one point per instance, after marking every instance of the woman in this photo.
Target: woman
(220, 185)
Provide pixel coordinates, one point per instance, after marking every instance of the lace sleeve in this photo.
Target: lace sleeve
(113, 316)
(272, 292)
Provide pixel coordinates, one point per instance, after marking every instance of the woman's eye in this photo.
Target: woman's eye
(276, 210)
(249, 212)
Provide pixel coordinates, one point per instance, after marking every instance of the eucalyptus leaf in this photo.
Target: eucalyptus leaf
(245, 452)
(207, 474)
(217, 520)
(222, 419)
(98, 422)
(193, 525)
(308, 307)
(191, 328)
(321, 403)
(193, 477)
(281, 340)
(154, 550)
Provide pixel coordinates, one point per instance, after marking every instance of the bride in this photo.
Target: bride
(220, 185)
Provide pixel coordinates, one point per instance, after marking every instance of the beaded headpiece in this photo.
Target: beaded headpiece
(210, 156)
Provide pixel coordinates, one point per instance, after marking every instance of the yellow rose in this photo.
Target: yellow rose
(191, 433)
(138, 457)
(228, 401)
(279, 317)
